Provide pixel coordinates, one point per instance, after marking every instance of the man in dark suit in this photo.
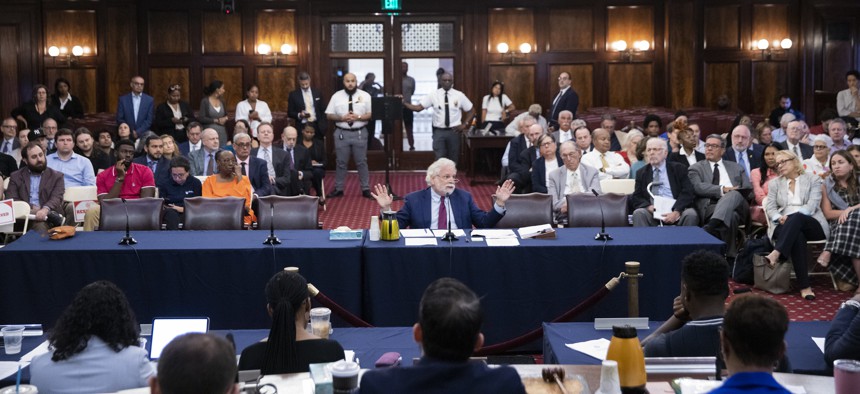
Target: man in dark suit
(721, 188)
(49, 202)
(193, 132)
(136, 108)
(433, 206)
(784, 108)
(449, 331)
(743, 152)
(153, 159)
(566, 99)
(687, 155)
(252, 167)
(792, 143)
(300, 109)
(668, 180)
(521, 156)
(277, 164)
(9, 136)
(299, 161)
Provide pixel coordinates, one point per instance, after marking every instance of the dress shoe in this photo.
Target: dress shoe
(807, 294)
(366, 194)
(334, 194)
(713, 230)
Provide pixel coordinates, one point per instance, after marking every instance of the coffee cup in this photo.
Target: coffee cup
(846, 376)
(344, 376)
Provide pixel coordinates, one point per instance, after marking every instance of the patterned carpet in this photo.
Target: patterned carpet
(354, 211)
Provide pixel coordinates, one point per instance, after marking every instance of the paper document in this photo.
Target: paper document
(507, 241)
(596, 348)
(662, 206)
(8, 369)
(415, 232)
(533, 231)
(420, 241)
(441, 233)
(819, 342)
(494, 233)
(41, 349)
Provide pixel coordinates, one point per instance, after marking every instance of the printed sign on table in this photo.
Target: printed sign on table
(81, 208)
(7, 214)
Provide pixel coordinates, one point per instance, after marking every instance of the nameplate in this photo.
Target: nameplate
(606, 323)
(7, 214)
(350, 235)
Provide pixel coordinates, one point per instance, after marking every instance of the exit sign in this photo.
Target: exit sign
(390, 5)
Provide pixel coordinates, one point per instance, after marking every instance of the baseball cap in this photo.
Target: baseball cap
(36, 133)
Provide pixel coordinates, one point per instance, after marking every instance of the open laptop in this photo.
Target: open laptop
(164, 329)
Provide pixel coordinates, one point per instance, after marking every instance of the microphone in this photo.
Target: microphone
(602, 235)
(127, 240)
(449, 236)
(272, 239)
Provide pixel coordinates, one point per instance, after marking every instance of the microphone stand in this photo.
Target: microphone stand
(272, 239)
(449, 236)
(602, 235)
(127, 240)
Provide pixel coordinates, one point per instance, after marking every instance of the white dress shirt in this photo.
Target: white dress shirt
(573, 181)
(724, 175)
(339, 105)
(617, 167)
(457, 103)
(691, 158)
(564, 136)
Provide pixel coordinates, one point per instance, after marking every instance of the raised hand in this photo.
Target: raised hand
(380, 194)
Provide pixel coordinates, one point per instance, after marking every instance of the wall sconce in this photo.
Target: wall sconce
(266, 49)
(66, 58)
(505, 51)
(627, 54)
(768, 50)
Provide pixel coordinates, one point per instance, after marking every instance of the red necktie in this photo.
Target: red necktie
(443, 215)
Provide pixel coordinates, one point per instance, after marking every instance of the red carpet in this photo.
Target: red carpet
(354, 211)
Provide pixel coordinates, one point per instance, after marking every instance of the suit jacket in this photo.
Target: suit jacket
(163, 123)
(539, 173)
(125, 112)
(303, 161)
(568, 101)
(73, 108)
(7, 165)
(283, 179)
(518, 145)
(809, 188)
(805, 149)
(259, 177)
(51, 188)
(753, 155)
(438, 376)
(197, 162)
(701, 175)
(681, 159)
(679, 182)
(162, 169)
(558, 182)
(843, 338)
(417, 208)
(296, 104)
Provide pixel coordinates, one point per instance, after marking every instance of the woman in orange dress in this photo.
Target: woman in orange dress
(229, 182)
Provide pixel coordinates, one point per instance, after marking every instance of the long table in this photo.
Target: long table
(803, 355)
(520, 287)
(218, 274)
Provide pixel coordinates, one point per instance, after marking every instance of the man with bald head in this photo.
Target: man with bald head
(573, 177)
(515, 126)
(526, 153)
(350, 109)
(452, 114)
(203, 160)
(610, 164)
(666, 179)
(136, 108)
(793, 132)
(743, 151)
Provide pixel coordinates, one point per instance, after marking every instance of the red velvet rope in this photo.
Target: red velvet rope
(340, 311)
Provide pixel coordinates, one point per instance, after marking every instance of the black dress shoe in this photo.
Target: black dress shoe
(366, 194)
(336, 193)
(712, 230)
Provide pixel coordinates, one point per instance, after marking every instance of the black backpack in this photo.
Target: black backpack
(742, 272)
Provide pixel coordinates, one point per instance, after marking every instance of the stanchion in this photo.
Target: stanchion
(632, 274)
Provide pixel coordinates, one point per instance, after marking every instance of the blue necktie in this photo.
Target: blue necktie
(743, 162)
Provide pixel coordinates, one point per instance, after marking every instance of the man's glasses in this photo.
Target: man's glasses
(713, 146)
(819, 147)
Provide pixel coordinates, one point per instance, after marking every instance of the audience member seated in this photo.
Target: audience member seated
(653, 125)
(848, 100)
(76, 170)
(181, 186)
(842, 208)
(516, 127)
(299, 165)
(70, 106)
(9, 136)
(565, 130)
(629, 152)
(316, 152)
(124, 180)
(203, 160)
(105, 144)
(693, 328)
(47, 203)
(289, 348)
(433, 206)
(721, 189)
(277, 166)
(37, 136)
(23, 140)
(763, 134)
(666, 179)
(791, 142)
(582, 136)
(618, 138)
(548, 161)
(8, 165)
(752, 341)
(610, 164)
(448, 331)
(94, 346)
(50, 128)
(793, 208)
(229, 182)
(169, 151)
(196, 363)
(173, 116)
(837, 128)
(32, 113)
(843, 338)
(760, 182)
(640, 157)
(573, 177)
(781, 133)
(85, 146)
(819, 163)
(784, 108)
(495, 107)
(743, 151)
(521, 156)
(687, 154)
(153, 159)
(252, 167)
(193, 141)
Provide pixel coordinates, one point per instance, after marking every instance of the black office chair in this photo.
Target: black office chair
(527, 210)
(297, 212)
(221, 213)
(144, 214)
(583, 210)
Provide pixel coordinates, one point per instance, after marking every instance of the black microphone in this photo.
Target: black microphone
(602, 235)
(449, 236)
(127, 240)
(272, 239)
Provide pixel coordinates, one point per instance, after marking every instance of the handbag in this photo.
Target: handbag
(775, 279)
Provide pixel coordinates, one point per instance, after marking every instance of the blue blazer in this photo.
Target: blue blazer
(437, 376)
(258, 174)
(416, 211)
(185, 148)
(539, 173)
(843, 339)
(162, 170)
(125, 112)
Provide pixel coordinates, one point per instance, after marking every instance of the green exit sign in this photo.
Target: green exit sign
(390, 5)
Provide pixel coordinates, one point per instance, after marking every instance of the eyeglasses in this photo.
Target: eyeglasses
(179, 176)
(781, 162)
(568, 155)
(549, 143)
(242, 144)
(713, 146)
(819, 147)
(449, 178)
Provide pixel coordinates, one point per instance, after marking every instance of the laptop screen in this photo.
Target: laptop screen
(165, 329)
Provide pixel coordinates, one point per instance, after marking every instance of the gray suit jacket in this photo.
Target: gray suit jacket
(701, 175)
(557, 183)
(197, 162)
(809, 187)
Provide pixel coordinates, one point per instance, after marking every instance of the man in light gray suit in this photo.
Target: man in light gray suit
(571, 178)
(721, 189)
(203, 160)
